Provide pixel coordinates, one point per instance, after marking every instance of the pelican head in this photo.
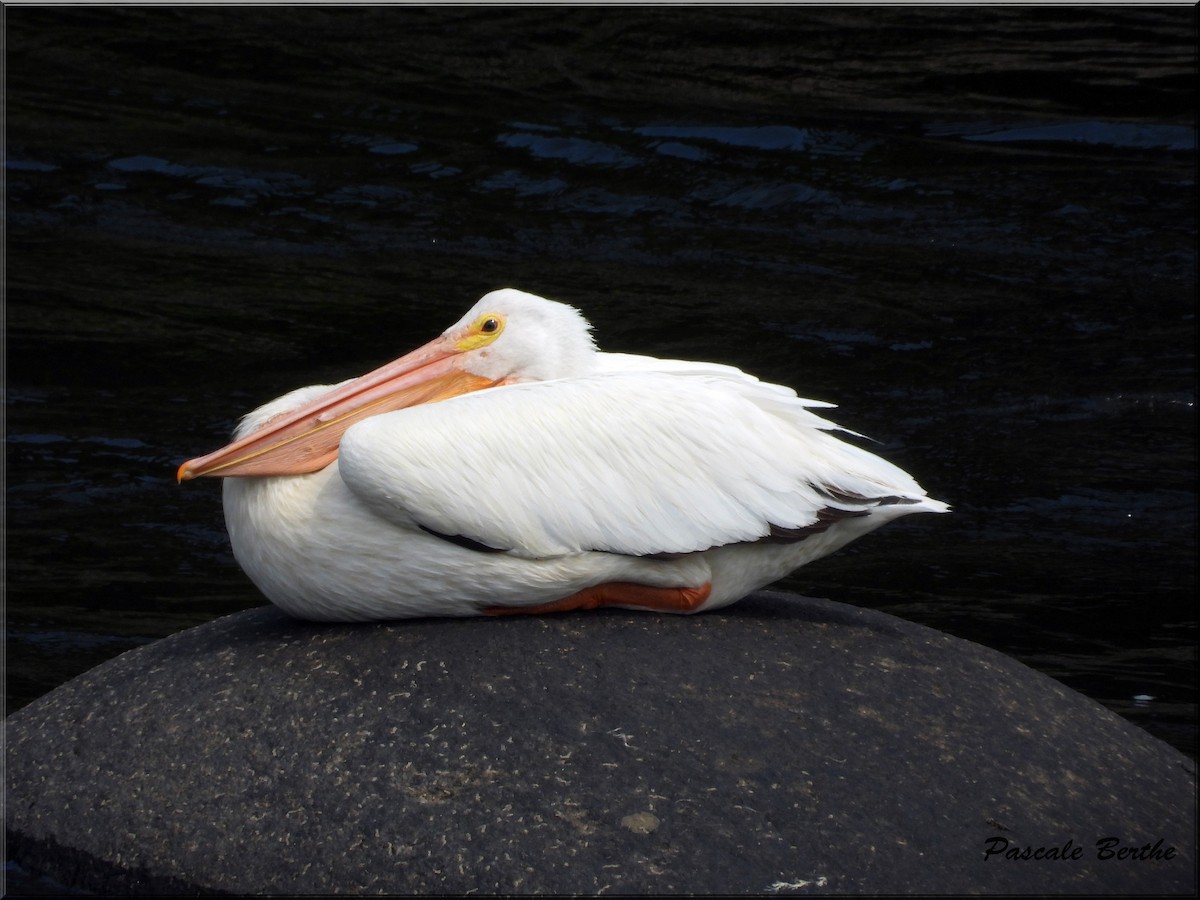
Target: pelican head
(507, 337)
(511, 336)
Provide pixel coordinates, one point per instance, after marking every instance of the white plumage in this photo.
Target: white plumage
(573, 469)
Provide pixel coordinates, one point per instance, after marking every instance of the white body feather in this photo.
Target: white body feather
(658, 472)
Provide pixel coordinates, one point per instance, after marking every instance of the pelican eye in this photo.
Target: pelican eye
(488, 326)
(483, 331)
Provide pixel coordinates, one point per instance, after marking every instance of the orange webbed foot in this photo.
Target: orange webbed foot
(617, 593)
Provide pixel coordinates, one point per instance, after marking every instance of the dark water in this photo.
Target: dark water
(973, 229)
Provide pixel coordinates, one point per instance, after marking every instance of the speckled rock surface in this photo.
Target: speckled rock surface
(783, 745)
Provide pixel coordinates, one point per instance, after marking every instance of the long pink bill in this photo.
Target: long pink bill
(306, 439)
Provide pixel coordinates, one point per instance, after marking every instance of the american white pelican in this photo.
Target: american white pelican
(578, 479)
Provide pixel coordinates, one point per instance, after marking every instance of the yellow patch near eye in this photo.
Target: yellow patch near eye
(482, 332)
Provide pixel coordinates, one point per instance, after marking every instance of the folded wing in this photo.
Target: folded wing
(631, 462)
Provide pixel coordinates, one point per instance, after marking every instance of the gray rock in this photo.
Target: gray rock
(782, 745)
